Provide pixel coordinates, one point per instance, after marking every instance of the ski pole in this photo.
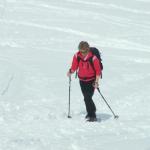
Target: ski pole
(69, 97)
(115, 116)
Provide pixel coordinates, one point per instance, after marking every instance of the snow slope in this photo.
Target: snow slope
(37, 41)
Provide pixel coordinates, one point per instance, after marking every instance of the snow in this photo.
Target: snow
(38, 39)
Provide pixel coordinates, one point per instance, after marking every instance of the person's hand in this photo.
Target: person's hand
(69, 73)
(96, 85)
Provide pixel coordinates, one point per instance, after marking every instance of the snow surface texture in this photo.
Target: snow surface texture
(37, 41)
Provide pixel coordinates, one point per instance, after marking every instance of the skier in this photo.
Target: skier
(89, 76)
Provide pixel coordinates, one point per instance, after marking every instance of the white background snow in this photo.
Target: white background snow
(38, 39)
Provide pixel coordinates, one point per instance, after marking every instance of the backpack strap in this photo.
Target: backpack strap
(78, 60)
(91, 62)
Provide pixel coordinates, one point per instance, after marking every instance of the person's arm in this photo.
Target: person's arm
(74, 66)
(97, 79)
(98, 71)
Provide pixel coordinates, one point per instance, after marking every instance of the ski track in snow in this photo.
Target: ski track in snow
(110, 6)
(68, 31)
(34, 97)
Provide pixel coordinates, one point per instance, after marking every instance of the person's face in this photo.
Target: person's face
(84, 50)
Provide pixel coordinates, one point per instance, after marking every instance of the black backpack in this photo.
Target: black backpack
(96, 53)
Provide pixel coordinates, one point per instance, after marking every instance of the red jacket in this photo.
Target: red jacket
(85, 70)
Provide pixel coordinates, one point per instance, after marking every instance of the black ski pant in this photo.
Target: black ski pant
(88, 91)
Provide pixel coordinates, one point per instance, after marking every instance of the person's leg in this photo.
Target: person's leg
(88, 91)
